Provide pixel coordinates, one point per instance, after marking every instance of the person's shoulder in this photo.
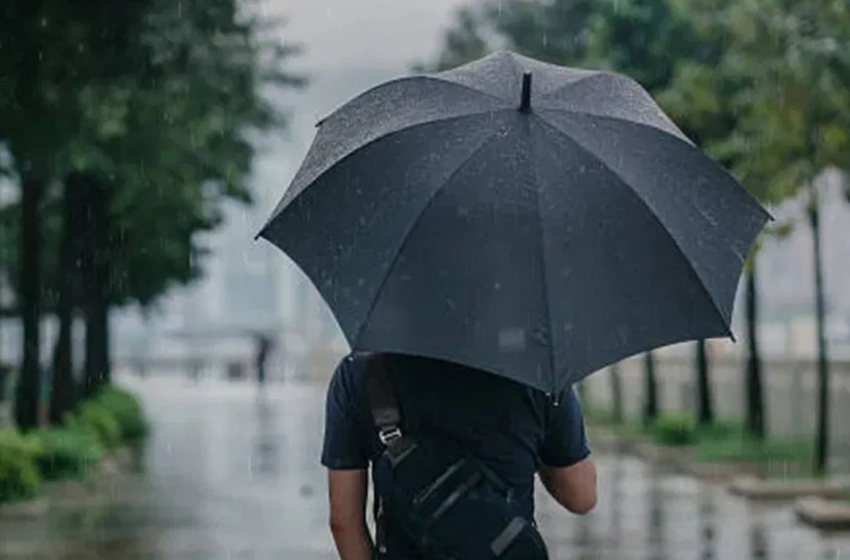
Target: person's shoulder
(349, 374)
(346, 368)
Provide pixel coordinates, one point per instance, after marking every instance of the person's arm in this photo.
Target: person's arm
(573, 487)
(567, 472)
(347, 491)
(345, 454)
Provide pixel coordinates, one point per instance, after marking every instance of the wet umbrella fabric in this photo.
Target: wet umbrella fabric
(540, 233)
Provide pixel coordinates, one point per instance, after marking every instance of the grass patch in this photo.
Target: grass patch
(19, 476)
(127, 411)
(674, 430)
(725, 441)
(777, 458)
(114, 416)
(62, 453)
(99, 425)
(722, 430)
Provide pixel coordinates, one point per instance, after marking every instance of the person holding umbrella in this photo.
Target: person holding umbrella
(516, 430)
(487, 237)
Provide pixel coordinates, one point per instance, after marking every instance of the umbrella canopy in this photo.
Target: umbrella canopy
(532, 220)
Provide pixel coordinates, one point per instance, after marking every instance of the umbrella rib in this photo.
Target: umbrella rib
(468, 88)
(409, 232)
(679, 137)
(574, 83)
(545, 271)
(601, 74)
(396, 81)
(652, 213)
(289, 195)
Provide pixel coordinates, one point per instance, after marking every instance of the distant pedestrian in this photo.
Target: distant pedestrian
(263, 349)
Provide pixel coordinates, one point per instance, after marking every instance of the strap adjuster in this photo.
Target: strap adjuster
(390, 434)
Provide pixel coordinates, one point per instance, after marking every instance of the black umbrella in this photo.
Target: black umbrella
(539, 233)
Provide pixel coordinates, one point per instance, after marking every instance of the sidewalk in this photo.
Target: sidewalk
(233, 475)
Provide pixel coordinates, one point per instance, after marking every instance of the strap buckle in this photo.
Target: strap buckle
(389, 435)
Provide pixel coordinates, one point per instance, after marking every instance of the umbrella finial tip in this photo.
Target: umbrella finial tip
(525, 103)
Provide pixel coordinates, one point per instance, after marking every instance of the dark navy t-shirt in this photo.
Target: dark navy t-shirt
(512, 428)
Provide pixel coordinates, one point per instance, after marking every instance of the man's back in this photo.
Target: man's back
(513, 429)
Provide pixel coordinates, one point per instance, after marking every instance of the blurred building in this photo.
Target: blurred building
(786, 274)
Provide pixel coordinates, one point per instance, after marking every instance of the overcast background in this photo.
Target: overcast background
(349, 46)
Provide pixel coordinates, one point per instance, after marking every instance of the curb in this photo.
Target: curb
(671, 458)
(32, 509)
(790, 489)
(720, 473)
(823, 514)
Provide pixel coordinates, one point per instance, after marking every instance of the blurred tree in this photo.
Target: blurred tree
(798, 123)
(557, 31)
(43, 51)
(160, 138)
(465, 41)
(644, 39)
(64, 390)
(617, 408)
(650, 391)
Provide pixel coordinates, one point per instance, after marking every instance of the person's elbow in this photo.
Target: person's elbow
(573, 487)
(342, 526)
(582, 504)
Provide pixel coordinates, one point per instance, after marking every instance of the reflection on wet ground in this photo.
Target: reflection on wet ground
(232, 474)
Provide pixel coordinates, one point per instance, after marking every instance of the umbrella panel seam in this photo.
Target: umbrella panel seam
(287, 200)
(409, 232)
(651, 210)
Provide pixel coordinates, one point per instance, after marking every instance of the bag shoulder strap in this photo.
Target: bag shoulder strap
(386, 414)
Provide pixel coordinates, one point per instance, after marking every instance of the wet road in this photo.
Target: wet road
(231, 474)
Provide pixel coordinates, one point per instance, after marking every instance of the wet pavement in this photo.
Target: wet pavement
(233, 474)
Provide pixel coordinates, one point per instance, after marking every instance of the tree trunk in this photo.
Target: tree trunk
(650, 405)
(705, 406)
(64, 396)
(822, 443)
(63, 387)
(30, 384)
(97, 361)
(96, 266)
(754, 386)
(617, 393)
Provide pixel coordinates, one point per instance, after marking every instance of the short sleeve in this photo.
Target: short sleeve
(565, 441)
(343, 447)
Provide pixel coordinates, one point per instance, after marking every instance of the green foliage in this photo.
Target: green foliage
(113, 417)
(163, 108)
(675, 430)
(741, 449)
(598, 415)
(721, 430)
(65, 453)
(127, 412)
(556, 31)
(93, 418)
(464, 42)
(794, 102)
(644, 39)
(19, 478)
